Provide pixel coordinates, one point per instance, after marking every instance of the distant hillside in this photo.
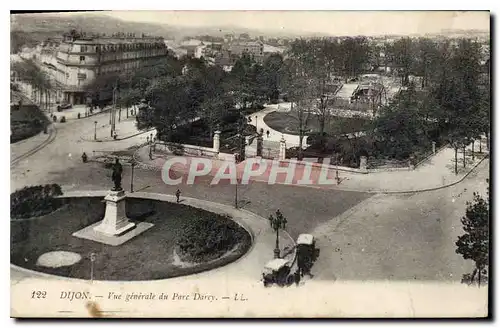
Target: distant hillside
(100, 22)
(89, 22)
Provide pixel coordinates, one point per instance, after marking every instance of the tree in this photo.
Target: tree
(30, 73)
(269, 77)
(298, 87)
(474, 244)
(403, 55)
(426, 59)
(170, 104)
(243, 78)
(402, 126)
(457, 96)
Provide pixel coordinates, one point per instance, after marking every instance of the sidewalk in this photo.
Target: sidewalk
(72, 113)
(125, 129)
(437, 172)
(257, 120)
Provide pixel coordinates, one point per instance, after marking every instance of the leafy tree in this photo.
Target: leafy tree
(404, 57)
(457, 95)
(269, 78)
(474, 244)
(170, 105)
(353, 54)
(30, 73)
(243, 79)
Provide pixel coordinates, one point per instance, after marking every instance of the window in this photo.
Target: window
(82, 58)
(83, 48)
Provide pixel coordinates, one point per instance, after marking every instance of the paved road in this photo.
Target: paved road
(381, 237)
(65, 152)
(400, 237)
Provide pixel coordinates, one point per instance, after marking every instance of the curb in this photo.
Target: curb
(152, 196)
(440, 187)
(152, 167)
(81, 117)
(117, 139)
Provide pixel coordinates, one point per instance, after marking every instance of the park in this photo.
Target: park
(395, 164)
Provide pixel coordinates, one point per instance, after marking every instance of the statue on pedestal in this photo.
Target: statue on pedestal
(117, 176)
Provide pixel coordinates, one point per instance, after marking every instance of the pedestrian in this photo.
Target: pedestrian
(151, 153)
(178, 195)
(268, 133)
(296, 277)
(151, 137)
(147, 139)
(84, 157)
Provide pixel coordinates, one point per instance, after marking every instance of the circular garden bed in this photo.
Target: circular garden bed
(184, 240)
(286, 123)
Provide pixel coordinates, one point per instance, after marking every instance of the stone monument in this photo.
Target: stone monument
(115, 228)
(115, 220)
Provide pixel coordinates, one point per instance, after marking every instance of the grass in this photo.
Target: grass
(146, 257)
(286, 123)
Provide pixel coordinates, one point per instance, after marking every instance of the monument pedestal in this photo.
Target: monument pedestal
(115, 220)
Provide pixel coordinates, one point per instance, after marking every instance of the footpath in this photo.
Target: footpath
(437, 172)
(125, 129)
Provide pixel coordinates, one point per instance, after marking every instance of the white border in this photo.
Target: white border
(204, 5)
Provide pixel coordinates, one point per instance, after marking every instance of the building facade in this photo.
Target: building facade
(79, 59)
(253, 48)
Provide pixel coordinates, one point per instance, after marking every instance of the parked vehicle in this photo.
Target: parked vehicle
(277, 271)
(307, 253)
(63, 106)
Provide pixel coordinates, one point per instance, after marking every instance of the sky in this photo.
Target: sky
(327, 22)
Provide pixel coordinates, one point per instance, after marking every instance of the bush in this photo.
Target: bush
(206, 239)
(176, 149)
(34, 201)
(63, 119)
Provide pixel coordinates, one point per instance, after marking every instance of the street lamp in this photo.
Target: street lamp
(132, 176)
(277, 222)
(92, 260)
(95, 130)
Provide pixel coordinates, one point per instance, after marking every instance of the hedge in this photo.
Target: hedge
(206, 239)
(35, 201)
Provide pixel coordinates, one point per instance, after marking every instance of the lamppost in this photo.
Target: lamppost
(113, 112)
(95, 130)
(132, 176)
(239, 157)
(92, 260)
(236, 160)
(277, 222)
(256, 123)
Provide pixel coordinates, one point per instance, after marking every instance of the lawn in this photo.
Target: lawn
(146, 257)
(286, 123)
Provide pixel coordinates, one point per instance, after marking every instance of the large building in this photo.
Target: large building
(79, 59)
(253, 48)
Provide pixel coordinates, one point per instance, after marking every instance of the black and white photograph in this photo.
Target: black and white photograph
(250, 164)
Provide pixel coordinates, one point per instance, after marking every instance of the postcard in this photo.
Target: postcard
(250, 164)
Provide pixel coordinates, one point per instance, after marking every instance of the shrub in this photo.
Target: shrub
(35, 201)
(206, 239)
(176, 149)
